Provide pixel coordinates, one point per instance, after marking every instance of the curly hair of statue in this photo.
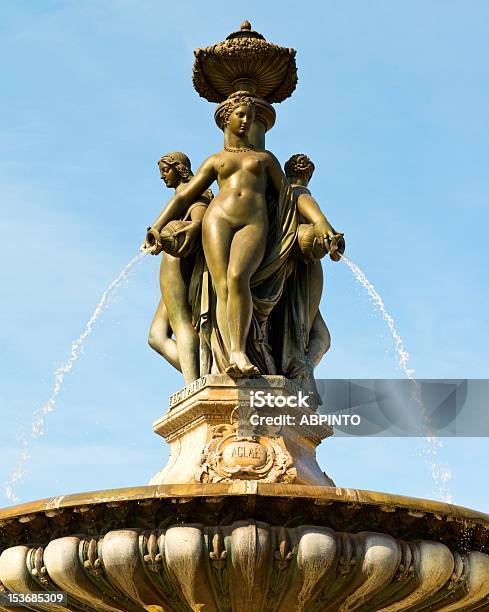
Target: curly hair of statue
(225, 109)
(299, 165)
(180, 162)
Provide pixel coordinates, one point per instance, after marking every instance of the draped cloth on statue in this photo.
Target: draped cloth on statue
(278, 336)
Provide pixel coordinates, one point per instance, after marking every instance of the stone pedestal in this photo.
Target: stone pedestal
(218, 431)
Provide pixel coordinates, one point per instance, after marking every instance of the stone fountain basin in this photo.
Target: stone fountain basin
(246, 546)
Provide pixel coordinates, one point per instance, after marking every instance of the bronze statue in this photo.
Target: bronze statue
(251, 305)
(234, 229)
(299, 170)
(251, 270)
(174, 312)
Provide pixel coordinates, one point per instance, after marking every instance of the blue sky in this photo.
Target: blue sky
(392, 107)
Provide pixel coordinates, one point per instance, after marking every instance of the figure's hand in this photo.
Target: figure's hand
(324, 232)
(329, 239)
(152, 242)
(191, 233)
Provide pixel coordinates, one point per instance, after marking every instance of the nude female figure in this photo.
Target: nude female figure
(174, 315)
(235, 226)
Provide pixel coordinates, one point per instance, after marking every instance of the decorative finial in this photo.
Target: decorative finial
(245, 61)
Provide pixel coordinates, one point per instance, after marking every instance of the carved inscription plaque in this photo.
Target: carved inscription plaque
(244, 453)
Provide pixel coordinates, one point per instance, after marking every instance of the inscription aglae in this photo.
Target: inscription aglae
(245, 453)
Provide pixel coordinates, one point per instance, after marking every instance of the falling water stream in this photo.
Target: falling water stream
(441, 474)
(39, 415)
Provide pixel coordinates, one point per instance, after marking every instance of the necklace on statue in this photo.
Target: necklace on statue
(241, 150)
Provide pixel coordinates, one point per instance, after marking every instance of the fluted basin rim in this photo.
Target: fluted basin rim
(319, 495)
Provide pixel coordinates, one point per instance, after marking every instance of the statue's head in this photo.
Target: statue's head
(299, 166)
(175, 168)
(236, 113)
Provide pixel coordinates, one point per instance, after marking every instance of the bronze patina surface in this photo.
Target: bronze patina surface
(245, 61)
(255, 300)
(181, 267)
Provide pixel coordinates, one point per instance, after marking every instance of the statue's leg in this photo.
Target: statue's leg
(319, 337)
(160, 336)
(247, 250)
(315, 287)
(319, 340)
(217, 235)
(174, 289)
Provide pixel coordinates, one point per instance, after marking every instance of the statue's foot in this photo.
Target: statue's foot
(250, 371)
(233, 371)
(240, 360)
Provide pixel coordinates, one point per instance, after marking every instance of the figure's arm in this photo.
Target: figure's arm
(190, 192)
(307, 205)
(192, 230)
(309, 209)
(197, 213)
(326, 235)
